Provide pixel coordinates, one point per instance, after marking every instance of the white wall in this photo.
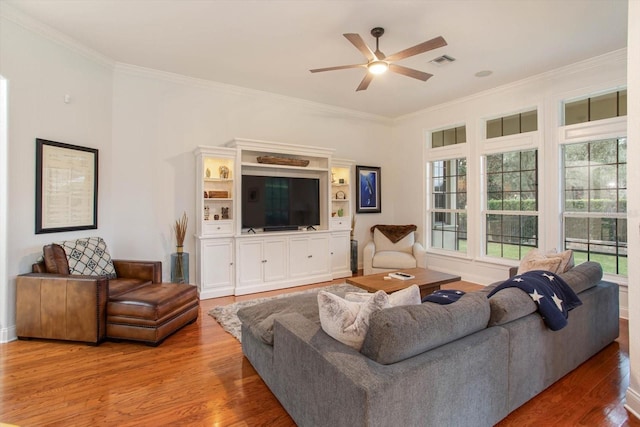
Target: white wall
(543, 92)
(38, 73)
(633, 224)
(158, 121)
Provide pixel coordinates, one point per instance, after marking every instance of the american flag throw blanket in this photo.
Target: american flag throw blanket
(551, 294)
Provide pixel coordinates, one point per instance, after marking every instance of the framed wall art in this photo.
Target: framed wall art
(368, 197)
(66, 187)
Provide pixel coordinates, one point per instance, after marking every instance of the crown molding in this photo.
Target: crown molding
(243, 91)
(17, 17)
(614, 57)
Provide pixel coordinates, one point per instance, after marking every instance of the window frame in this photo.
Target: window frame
(454, 211)
(486, 212)
(589, 215)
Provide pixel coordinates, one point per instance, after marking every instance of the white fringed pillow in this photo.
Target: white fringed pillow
(407, 296)
(554, 262)
(348, 321)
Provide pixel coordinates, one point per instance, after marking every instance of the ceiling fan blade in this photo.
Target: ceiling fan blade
(357, 41)
(339, 67)
(410, 72)
(417, 49)
(364, 84)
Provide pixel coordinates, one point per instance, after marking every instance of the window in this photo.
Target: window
(513, 124)
(595, 202)
(613, 104)
(451, 136)
(512, 204)
(448, 204)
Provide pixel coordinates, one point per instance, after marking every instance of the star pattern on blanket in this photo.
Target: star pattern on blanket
(535, 295)
(552, 295)
(558, 301)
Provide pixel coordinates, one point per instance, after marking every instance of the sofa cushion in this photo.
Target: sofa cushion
(393, 259)
(510, 304)
(121, 285)
(259, 318)
(583, 276)
(398, 333)
(384, 244)
(89, 256)
(348, 321)
(55, 259)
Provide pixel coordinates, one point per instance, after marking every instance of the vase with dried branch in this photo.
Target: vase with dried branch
(180, 259)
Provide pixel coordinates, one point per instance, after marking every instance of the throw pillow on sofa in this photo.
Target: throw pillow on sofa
(407, 296)
(557, 263)
(89, 256)
(348, 321)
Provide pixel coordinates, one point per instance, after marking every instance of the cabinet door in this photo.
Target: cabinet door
(250, 262)
(275, 257)
(319, 261)
(340, 255)
(299, 256)
(217, 267)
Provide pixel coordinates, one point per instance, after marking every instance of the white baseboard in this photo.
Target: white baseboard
(633, 402)
(8, 334)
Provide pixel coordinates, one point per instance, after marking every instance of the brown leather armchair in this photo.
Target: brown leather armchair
(51, 303)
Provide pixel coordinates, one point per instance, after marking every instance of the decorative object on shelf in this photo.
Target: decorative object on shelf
(206, 213)
(333, 177)
(340, 212)
(224, 172)
(341, 195)
(216, 217)
(218, 194)
(341, 181)
(225, 213)
(206, 195)
(286, 161)
(208, 173)
(334, 214)
(180, 259)
(368, 197)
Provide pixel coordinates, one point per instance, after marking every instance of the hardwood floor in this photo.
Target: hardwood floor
(199, 377)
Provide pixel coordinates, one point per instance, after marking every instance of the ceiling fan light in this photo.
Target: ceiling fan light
(378, 67)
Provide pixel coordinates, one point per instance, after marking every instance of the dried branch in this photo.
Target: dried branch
(181, 229)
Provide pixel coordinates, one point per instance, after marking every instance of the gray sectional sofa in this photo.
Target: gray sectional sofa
(469, 363)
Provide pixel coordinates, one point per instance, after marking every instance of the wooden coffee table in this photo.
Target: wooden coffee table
(427, 280)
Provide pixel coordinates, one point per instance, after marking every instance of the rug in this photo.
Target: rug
(227, 317)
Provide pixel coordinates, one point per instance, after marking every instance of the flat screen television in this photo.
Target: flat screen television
(273, 203)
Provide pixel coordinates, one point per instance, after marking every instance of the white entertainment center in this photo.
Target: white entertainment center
(236, 260)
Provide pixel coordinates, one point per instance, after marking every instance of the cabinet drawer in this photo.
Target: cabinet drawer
(340, 223)
(217, 227)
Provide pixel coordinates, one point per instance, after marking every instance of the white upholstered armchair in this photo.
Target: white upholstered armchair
(393, 248)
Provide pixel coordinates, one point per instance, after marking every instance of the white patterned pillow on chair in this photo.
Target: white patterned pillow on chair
(89, 256)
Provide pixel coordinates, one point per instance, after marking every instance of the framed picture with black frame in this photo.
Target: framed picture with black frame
(66, 187)
(368, 196)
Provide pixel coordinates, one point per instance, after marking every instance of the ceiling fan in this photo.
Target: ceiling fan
(378, 63)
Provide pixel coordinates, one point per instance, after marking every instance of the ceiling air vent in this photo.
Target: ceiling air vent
(442, 60)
